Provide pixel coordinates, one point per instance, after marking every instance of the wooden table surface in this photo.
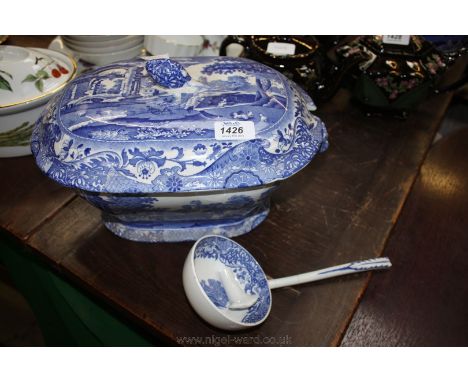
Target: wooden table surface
(342, 207)
(424, 300)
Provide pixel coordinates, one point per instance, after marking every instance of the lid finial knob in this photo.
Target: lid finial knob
(167, 73)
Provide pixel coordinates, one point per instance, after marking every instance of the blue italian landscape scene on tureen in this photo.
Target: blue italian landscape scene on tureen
(120, 131)
(121, 103)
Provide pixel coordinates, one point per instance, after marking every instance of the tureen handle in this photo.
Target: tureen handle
(167, 73)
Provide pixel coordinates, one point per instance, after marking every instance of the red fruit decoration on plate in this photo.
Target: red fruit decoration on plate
(56, 73)
(62, 69)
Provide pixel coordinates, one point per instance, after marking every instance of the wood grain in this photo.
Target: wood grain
(69, 228)
(28, 198)
(423, 300)
(37, 41)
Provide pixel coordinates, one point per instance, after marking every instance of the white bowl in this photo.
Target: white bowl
(22, 106)
(174, 46)
(211, 45)
(108, 58)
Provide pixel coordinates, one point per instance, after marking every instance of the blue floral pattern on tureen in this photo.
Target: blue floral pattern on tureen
(246, 269)
(115, 130)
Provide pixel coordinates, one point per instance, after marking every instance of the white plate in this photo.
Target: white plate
(93, 38)
(96, 44)
(107, 58)
(127, 44)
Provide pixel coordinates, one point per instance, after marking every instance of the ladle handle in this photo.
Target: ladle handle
(338, 270)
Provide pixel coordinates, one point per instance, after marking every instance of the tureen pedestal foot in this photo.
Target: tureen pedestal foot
(187, 231)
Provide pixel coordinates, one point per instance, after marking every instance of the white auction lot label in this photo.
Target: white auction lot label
(396, 39)
(234, 130)
(281, 48)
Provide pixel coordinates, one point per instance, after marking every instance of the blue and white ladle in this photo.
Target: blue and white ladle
(239, 300)
(227, 287)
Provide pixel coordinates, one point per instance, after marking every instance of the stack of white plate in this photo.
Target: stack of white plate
(102, 50)
(174, 46)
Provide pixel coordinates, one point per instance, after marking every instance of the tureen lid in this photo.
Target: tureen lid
(30, 74)
(182, 125)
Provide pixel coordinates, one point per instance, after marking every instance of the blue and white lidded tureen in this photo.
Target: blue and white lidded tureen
(172, 150)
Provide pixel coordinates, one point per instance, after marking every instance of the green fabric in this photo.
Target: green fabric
(66, 316)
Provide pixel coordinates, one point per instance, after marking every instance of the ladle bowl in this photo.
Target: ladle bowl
(203, 283)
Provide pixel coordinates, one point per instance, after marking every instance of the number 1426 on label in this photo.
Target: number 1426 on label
(234, 130)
